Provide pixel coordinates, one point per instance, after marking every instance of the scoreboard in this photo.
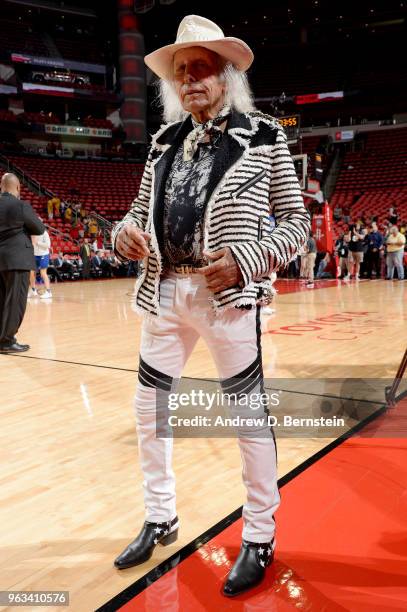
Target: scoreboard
(291, 125)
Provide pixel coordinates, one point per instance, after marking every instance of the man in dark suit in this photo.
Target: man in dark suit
(58, 260)
(18, 223)
(111, 264)
(85, 255)
(54, 268)
(96, 264)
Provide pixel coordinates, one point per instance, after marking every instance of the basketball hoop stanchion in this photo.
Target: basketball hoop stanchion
(321, 221)
(390, 392)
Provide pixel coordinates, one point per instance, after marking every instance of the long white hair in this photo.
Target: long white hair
(238, 95)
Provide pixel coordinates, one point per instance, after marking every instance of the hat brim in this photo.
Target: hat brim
(232, 49)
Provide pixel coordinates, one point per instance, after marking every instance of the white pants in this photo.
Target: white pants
(233, 338)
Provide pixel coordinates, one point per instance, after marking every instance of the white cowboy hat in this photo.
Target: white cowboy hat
(196, 31)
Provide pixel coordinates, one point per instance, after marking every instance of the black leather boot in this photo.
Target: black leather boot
(249, 568)
(141, 549)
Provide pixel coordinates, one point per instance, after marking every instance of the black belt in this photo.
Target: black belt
(183, 268)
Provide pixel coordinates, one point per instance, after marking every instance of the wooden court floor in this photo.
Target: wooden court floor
(70, 481)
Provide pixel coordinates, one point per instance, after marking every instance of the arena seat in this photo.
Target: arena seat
(61, 241)
(105, 187)
(7, 116)
(21, 37)
(29, 117)
(372, 180)
(71, 48)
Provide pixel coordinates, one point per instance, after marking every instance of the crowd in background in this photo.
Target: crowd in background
(73, 212)
(369, 250)
(363, 250)
(99, 264)
(89, 264)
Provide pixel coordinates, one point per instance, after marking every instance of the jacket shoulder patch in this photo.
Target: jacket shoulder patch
(265, 117)
(266, 134)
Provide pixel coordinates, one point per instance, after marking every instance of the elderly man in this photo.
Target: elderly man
(201, 227)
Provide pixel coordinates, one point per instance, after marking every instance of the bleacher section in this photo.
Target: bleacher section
(39, 118)
(79, 49)
(50, 118)
(60, 242)
(20, 37)
(295, 79)
(369, 183)
(47, 36)
(105, 187)
(376, 178)
(7, 116)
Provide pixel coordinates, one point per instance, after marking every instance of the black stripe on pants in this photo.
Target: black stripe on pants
(260, 356)
(13, 302)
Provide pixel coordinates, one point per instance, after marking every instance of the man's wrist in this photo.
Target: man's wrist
(243, 281)
(119, 255)
(116, 231)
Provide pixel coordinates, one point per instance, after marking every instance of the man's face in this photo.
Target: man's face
(197, 80)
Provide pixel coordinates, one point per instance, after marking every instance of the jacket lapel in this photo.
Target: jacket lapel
(229, 152)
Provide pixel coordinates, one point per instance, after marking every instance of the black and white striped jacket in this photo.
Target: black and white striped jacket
(253, 175)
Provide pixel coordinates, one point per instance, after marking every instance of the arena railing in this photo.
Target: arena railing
(66, 237)
(25, 178)
(104, 224)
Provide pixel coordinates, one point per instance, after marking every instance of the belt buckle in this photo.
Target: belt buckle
(187, 269)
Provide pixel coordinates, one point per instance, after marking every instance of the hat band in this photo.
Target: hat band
(196, 38)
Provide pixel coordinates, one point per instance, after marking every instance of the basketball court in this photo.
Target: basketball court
(71, 482)
(78, 107)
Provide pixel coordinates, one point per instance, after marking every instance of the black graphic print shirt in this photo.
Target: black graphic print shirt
(184, 201)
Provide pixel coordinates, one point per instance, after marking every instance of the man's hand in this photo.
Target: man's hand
(131, 243)
(222, 274)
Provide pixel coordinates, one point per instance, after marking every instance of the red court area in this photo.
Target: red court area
(341, 538)
(293, 285)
